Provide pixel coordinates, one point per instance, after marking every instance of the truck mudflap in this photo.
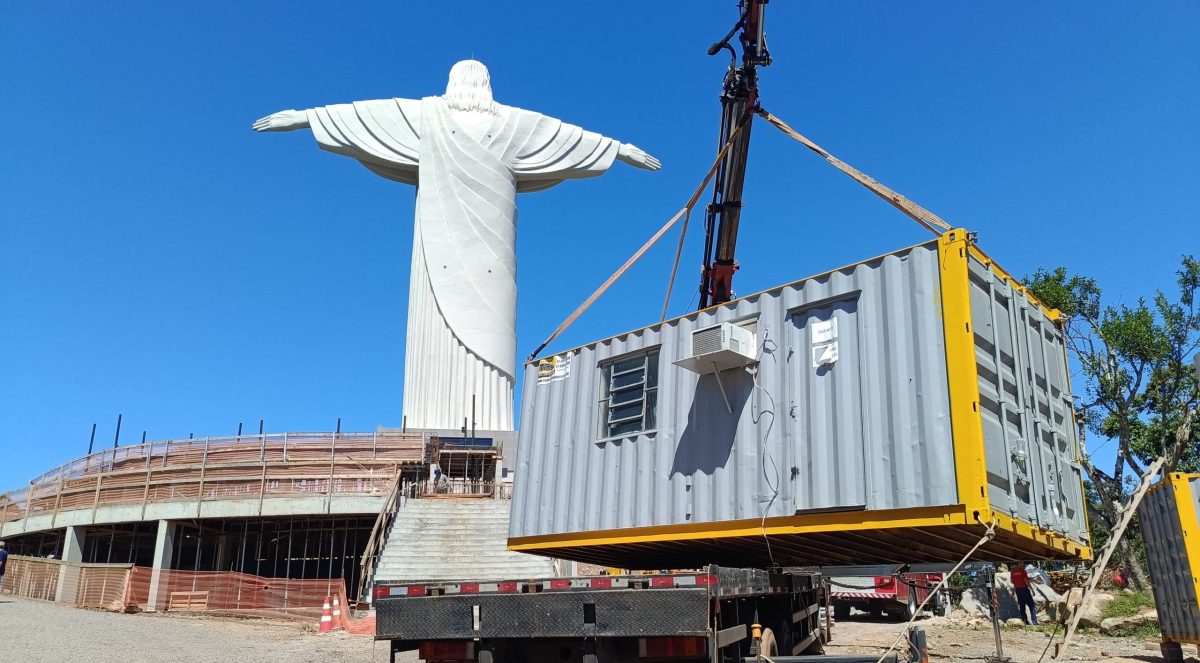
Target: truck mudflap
(587, 613)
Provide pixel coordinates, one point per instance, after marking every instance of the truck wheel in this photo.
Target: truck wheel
(911, 611)
(841, 610)
(766, 645)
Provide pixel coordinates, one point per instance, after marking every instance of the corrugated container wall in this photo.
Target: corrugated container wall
(854, 433)
(1168, 516)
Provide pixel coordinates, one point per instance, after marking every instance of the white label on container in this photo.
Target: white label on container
(554, 369)
(825, 355)
(824, 331)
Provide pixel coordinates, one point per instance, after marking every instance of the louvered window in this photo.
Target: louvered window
(628, 394)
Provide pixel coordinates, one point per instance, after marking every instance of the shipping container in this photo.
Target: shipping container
(884, 412)
(1170, 519)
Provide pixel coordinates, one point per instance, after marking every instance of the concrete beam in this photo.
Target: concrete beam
(314, 505)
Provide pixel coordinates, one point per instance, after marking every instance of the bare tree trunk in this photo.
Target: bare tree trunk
(1137, 576)
(1125, 557)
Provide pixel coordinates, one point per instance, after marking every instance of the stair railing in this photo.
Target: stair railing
(379, 532)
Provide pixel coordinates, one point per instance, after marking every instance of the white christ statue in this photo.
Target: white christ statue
(469, 157)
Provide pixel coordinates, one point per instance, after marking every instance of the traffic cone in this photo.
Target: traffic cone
(326, 618)
(337, 613)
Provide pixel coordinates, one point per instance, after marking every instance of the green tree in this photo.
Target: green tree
(1140, 386)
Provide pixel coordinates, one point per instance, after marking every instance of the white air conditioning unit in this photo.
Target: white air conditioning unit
(720, 348)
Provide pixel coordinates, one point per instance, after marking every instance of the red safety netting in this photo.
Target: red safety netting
(229, 592)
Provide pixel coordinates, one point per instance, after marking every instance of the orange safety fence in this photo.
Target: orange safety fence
(31, 577)
(96, 586)
(229, 592)
(82, 585)
(127, 588)
(364, 626)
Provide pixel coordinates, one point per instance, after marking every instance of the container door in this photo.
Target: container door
(1003, 394)
(824, 422)
(1051, 463)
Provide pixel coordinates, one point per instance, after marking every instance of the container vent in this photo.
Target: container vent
(706, 341)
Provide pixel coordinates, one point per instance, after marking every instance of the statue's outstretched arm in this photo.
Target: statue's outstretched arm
(634, 156)
(287, 120)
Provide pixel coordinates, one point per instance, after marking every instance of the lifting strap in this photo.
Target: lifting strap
(645, 247)
(928, 220)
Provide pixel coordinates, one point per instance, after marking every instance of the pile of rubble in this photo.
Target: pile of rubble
(974, 610)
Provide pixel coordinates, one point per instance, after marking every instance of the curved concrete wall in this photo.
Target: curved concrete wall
(231, 477)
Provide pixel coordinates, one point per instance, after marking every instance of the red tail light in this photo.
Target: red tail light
(447, 650)
(601, 583)
(415, 590)
(662, 581)
(381, 592)
(560, 584)
(706, 580)
(469, 588)
(883, 582)
(507, 587)
(671, 647)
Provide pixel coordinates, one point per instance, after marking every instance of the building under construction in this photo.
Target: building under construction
(315, 506)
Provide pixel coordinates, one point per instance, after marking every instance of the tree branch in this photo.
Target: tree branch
(1182, 434)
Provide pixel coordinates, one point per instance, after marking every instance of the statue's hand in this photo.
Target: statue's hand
(634, 156)
(282, 121)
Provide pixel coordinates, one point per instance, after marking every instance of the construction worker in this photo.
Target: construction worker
(3, 563)
(440, 485)
(1020, 582)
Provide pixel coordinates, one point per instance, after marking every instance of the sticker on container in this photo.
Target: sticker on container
(825, 354)
(824, 331)
(553, 369)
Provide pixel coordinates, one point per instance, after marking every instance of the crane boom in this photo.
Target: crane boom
(739, 103)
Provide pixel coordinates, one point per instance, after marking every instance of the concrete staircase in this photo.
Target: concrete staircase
(455, 539)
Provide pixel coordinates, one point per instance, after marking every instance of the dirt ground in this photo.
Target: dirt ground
(951, 641)
(36, 631)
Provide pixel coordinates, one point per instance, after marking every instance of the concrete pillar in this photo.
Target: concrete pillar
(68, 572)
(225, 547)
(164, 552)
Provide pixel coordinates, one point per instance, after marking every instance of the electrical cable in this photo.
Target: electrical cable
(756, 418)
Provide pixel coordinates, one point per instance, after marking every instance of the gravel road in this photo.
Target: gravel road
(36, 632)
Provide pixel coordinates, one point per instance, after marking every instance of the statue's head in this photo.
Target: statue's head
(470, 88)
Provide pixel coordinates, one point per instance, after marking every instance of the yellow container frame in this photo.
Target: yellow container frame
(1189, 524)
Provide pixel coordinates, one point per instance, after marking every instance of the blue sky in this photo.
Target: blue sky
(160, 260)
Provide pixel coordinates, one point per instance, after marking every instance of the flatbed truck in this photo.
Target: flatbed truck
(712, 615)
(716, 614)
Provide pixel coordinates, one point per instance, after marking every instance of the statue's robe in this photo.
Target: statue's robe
(462, 310)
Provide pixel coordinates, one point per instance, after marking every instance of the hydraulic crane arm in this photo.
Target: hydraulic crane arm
(739, 103)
